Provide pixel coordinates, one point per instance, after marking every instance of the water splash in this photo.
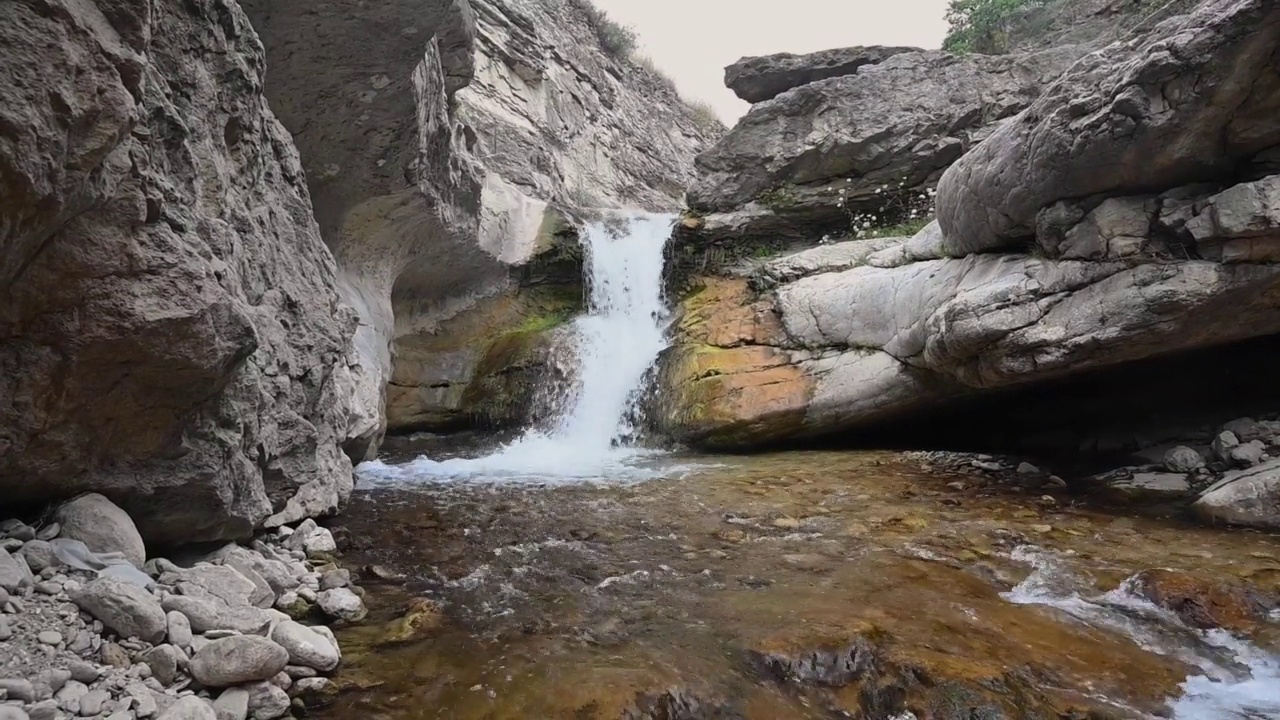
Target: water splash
(616, 343)
(1238, 680)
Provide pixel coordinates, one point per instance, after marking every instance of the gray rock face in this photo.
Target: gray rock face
(756, 79)
(823, 152)
(1244, 497)
(434, 154)
(171, 334)
(236, 660)
(123, 607)
(102, 526)
(859, 332)
(1188, 102)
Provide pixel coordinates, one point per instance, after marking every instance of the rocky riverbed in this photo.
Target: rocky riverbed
(92, 628)
(804, 585)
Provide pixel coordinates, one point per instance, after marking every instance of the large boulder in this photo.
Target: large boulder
(1190, 101)
(123, 607)
(756, 79)
(822, 155)
(850, 335)
(170, 333)
(1244, 497)
(237, 660)
(102, 526)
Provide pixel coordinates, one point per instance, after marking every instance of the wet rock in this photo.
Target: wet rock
(232, 704)
(420, 617)
(1204, 603)
(832, 668)
(238, 659)
(102, 526)
(1142, 487)
(1183, 459)
(1027, 468)
(266, 701)
(306, 647)
(189, 708)
(315, 692)
(382, 574)
(343, 604)
(1244, 497)
(124, 607)
(14, 573)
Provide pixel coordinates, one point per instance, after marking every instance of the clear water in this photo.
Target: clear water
(1238, 680)
(616, 343)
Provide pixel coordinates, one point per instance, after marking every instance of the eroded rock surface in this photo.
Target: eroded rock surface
(170, 333)
(445, 184)
(756, 79)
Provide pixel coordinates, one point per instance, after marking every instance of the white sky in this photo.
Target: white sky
(693, 40)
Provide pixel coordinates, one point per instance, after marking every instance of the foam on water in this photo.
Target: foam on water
(1238, 680)
(616, 343)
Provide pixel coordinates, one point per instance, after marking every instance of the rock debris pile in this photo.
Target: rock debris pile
(92, 628)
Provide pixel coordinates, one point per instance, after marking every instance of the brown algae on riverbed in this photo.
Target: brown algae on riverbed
(799, 585)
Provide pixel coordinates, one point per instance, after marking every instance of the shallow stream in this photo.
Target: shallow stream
(797, 585)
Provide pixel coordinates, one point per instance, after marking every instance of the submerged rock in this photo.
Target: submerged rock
(1203, 603)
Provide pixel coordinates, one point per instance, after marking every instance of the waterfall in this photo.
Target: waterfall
(616, 342)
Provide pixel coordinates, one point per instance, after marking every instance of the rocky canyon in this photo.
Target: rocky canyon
(463, 301)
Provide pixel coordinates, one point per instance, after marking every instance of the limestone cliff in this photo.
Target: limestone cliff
(199, 304)
(170, 333)
(450, 211)
(1129, 212)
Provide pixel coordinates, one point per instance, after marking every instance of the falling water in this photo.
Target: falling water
(616, 343)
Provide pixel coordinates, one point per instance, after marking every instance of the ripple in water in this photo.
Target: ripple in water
(616, 342)
(1238, 680)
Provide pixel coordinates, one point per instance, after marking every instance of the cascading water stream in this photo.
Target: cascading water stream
(616, 343)
(1238, 680)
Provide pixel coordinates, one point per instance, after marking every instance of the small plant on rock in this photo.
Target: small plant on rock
(900, 211)
(617, 39)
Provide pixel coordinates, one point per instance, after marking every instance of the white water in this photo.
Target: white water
(1238, 681)
(616, 342)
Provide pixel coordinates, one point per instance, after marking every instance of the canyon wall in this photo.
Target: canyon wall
(462, 257)
(1120, 207)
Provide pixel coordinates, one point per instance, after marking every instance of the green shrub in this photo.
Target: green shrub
(982, 26)
(617, 39)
